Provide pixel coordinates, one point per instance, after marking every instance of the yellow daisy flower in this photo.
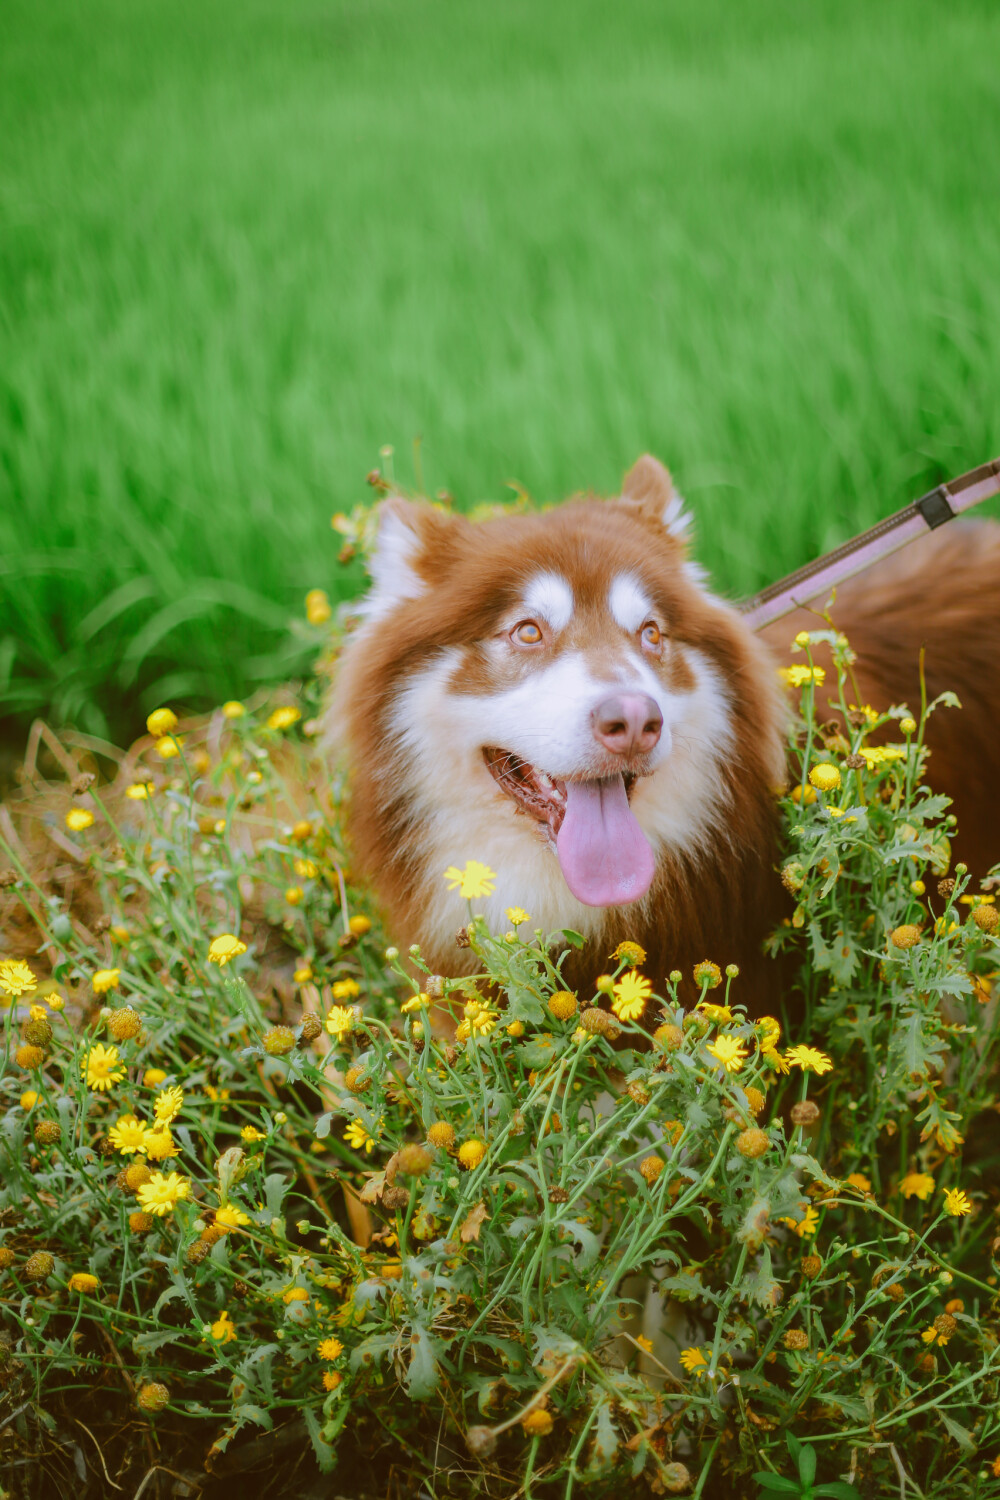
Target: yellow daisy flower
(79, 818)
(330, 1348)
(630, 994)
(345, 989)
(357, 1135)
(957, 1203)
(223, 1330)
(917, 1185)
(16, 978)
(729, 1051)
(475, 880)
(162, 1193)
(516, 915)
(167, 1104)
(231, 1217)
(101, 1067)
(695, 1361)
(284, 718)
(340, 1021)
(807, 1058)
(224, 948)
(128, 1135)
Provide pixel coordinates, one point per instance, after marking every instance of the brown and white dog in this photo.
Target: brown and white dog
(560, 696)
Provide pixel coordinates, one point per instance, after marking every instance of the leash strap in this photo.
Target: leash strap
(926, 514)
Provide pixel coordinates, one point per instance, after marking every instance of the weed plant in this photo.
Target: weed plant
(264, 1175)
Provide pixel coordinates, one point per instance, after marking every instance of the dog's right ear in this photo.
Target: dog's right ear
(413, 544)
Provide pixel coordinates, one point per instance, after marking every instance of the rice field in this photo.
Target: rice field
(246, 246)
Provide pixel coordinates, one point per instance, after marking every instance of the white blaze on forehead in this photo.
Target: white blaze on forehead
(629, 603)
(550, 596)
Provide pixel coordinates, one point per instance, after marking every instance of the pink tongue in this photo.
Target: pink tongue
(604, 854)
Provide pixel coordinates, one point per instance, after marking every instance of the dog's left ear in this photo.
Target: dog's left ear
(649, 487)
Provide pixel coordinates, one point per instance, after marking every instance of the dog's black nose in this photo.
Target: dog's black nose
(627, 723)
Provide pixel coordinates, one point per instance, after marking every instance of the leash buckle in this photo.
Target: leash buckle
(935, 507)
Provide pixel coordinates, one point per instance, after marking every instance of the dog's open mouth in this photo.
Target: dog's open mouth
(604, 855)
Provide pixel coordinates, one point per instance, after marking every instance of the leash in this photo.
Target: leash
(926, 514)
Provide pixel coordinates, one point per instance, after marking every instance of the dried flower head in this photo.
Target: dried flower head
(805, 1113)
(152, 1396)
(441, 1135)
(38, 1267)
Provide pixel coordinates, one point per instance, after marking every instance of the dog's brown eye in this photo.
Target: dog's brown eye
(527, 633)
(651, 635)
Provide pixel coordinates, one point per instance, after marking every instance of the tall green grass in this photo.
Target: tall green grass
(246, 244)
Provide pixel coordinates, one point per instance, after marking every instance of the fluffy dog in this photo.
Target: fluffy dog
(561, 697)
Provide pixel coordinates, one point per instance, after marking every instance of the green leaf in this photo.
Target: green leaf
(326, 1456)
(604, 1443)
(424, 1374)
(777, 1484)
(963, 1437)
(575, 939)
(837, 1489)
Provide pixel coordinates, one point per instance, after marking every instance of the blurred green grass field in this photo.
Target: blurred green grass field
(245, 244)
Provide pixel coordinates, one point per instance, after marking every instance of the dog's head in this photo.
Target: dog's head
(556, 692)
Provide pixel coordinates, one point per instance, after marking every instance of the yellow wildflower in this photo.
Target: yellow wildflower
(284, 718)
(631, 953)
(105, 980)
(139, 791)
(29, 1099)
(231, 1217)
(471, 1154)
(537, 1423)
(251, 1134)
(805, 1226)
(224, 948)
(162, 1193)
(306, 869)
(357, 1135)
(331, 1379)
(79, 818)
(957, 1203)
(128, 1135)
(345, 989)
(303, 975)
(860, 1181)
(563, 1005)
(360, 924)
(167, 1104)
(153, 1077)
(294, 895)
(340, 1021)
(718, 1014)
(825, 777)
(475, 880)
(223, 1330)
(161, 721)
(330, 1348)
(729, 1051)
(318, 609)
(101, 1067)
(799, 675)
(807, 1058)
(631, 993)
(159, 1143)
(16, 978)
(707, 975)
(233, 709)
(695, 1361)
(932, 1335)
(917, 1185)
(168, 747)
(83, 1282)
(516, 915)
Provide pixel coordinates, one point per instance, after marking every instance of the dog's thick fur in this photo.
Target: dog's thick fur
(438, 673)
